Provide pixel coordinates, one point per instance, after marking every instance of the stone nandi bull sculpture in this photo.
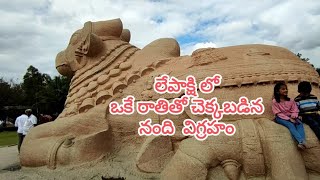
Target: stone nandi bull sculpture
(105, 67)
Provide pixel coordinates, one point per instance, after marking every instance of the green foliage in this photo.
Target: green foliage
(11, 94)
(4, 91)
(33, 85)
(45, 95)
(303, 59)
(307, 59)
(53, 96)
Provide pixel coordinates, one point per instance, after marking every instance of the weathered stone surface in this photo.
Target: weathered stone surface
(155, 154)
(105, 67)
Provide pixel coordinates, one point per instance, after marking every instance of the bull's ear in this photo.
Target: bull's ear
(91, 44)
(125, 35)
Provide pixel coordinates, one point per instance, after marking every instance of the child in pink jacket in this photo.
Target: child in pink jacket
(286, 112)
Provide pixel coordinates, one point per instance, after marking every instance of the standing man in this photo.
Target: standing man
(20, 123)
(30, 122)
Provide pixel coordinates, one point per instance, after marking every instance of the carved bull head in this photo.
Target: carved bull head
(87, 43)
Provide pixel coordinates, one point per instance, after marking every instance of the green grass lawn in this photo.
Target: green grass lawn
(8, 138)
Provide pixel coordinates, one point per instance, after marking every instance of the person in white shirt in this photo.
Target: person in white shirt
(30, 122)
(1, 125)
(20, 123)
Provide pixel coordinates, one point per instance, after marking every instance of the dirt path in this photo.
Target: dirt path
(9, 157)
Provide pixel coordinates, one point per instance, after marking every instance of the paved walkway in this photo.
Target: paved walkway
(9, 157)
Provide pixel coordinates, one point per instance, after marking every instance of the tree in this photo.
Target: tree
(17, 95)
(11, 94)
(53, 98)
(40, 93)
(5, 92)
(32, 85)
(44, 94)
(307, 59)
(303, 59)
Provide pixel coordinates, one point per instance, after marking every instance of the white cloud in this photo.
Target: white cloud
(33, 32)
(313, 55)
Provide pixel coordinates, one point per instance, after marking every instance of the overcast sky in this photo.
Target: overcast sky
(33, 31)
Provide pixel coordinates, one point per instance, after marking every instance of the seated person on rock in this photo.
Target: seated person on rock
(309, 106)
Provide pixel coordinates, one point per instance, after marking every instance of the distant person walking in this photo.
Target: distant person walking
(2, 125)
(20, 123)
(30, 122)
